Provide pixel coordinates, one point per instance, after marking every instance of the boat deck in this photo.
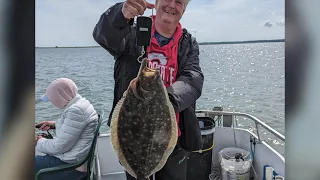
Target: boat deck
(110, 168)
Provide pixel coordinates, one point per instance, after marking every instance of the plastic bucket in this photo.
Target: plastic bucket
(235, 164)
(199, 163)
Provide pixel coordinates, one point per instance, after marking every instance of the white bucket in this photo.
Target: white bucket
(278, 177)
(233, 168)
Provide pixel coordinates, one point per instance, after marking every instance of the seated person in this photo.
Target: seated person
(74, 131)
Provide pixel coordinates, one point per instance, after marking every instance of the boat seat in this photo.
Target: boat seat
(73, 166)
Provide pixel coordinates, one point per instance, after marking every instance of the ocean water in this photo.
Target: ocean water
(245, 78)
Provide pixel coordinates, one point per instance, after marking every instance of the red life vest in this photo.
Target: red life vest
(166, 58)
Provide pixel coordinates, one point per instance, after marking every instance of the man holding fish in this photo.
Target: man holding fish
(175, 54)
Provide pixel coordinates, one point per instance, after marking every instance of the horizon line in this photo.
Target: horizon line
(200, 43)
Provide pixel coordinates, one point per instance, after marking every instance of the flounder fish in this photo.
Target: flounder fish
(144, 130)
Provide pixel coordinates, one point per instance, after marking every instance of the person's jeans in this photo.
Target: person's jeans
(51, 161)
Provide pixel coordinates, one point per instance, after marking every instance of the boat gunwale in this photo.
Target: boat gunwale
(264, 143)
(251, 117)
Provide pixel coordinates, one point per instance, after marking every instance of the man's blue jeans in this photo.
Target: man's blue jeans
(51, 161)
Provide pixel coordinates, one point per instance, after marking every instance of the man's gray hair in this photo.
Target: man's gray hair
(187, 2)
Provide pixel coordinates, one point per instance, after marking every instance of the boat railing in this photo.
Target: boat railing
(212, 113)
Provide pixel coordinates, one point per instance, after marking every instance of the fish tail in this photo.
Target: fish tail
(142, 178)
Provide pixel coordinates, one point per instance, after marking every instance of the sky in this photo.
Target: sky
(71, 22)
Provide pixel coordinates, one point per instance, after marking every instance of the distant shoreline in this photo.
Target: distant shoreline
(243, 42)
(201, 43)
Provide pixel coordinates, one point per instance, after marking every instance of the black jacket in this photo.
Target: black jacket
(117, 36)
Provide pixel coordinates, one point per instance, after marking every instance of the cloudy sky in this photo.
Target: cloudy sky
(71, 22)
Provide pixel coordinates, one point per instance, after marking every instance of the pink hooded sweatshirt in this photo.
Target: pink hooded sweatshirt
(60, 92)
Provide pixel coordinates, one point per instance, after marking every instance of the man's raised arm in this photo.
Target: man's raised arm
(112, 30)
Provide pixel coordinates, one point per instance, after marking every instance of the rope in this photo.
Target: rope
(204, 150)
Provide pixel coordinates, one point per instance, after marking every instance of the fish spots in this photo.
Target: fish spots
(158, 157)
(144, 127)
(145, 131)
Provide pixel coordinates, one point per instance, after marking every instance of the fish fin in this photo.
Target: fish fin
(114, 136)
(144, 64)
(174, 130)
(174, 136)
(132, 85)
